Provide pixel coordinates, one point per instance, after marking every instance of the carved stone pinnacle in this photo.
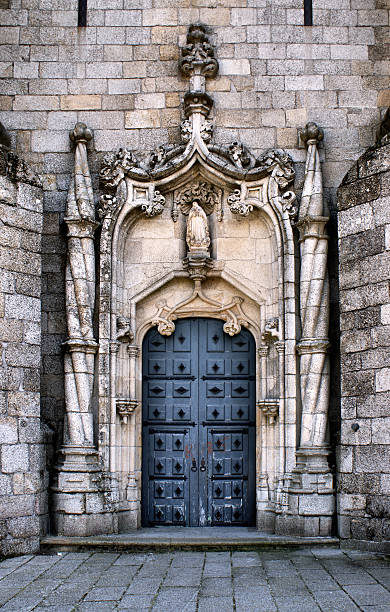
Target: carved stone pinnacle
(81, 133)
(312, 133)
(197, 56)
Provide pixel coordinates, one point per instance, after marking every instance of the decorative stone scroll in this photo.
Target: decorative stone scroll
(199, 305)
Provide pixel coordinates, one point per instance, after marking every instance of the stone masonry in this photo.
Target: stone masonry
(364, 247)
(23, 480)
(119, 75)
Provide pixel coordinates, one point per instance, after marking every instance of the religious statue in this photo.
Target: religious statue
(198, 237)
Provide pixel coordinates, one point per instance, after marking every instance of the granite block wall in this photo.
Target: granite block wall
(364, 249)
(23, 477)
(119, 75)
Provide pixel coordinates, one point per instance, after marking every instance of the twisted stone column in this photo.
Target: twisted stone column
(80, 298)
(314, 301)
(83, 496)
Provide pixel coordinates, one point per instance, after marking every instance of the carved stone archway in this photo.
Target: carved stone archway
(197, 229)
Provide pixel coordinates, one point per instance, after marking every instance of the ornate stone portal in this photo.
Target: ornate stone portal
(195, 230)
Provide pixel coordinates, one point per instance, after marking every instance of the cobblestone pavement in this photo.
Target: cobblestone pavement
(286, 581)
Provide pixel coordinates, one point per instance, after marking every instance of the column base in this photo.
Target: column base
(84, 498)
(310, 496)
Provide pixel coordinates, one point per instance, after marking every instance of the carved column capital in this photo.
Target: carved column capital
(262, 351)
(270, 409)
(125, 408)
(312, 227)
(114, 346)
(133, 351)
(80, 345)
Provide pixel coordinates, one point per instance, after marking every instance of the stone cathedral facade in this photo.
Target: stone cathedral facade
(194, 254)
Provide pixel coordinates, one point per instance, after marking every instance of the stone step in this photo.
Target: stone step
(184, 538)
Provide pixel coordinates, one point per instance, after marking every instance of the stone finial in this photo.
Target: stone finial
(5, 140)
(197, 56)
(81, 133)
(311, 133)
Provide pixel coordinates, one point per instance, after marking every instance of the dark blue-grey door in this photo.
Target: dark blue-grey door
(198, 426)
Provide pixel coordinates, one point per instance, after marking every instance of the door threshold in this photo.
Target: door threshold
(162, 539)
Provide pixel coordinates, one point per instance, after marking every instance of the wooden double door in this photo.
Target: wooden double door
(198, 426)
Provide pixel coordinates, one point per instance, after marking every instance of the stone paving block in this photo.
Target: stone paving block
(214, 604)
(334, 601)
(130, 559)
(287, 586)
(279, 568)
(179, 597)
(140, 586)
(185, 577)
(117, 577)
(369, 594)
(296, 604)
(212, 570)
(245, 559)
(105, 594)
(94, 606)
(188, 559)
(135, 602)
(215, 586)
(356, 578)
(254, 600)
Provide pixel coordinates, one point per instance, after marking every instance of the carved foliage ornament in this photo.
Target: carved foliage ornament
(197, 56)
(205, 194)
(198, 304)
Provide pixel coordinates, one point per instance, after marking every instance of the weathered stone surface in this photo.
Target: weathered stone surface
(365, 372)
(20, 331)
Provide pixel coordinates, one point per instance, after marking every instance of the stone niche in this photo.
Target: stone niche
(196, 230)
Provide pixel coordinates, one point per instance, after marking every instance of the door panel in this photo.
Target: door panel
(198, 426)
